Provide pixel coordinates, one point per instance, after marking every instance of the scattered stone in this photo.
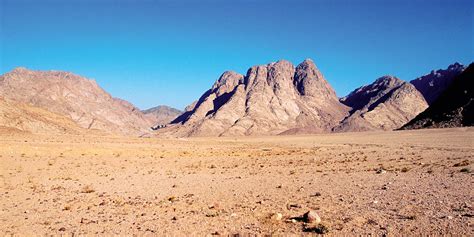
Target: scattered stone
(311, 217)
(277, 216)
(290, 206)
(62, 229)
(381, 171)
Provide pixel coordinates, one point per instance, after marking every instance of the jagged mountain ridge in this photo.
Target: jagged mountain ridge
(436, 82)
(453, 108)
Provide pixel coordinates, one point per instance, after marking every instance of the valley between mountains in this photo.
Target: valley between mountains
(270, 152)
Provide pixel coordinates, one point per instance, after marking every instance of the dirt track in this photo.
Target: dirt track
(410, 182)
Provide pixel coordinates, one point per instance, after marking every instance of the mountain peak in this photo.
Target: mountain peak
(456, 66)
(20, 70)
(227, 82)
(310, 81)
(388, 79)
(271, 99)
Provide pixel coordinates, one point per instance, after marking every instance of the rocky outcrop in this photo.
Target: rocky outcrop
(161, 115)
(434, 83)
(75, 97)
(276, 98)
(453, 108)
(386, 104)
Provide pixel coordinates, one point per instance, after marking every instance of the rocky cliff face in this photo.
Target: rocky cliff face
(76, 97)
(453, 108)
(161, 115)
(386, 104)
(270, 99)
(434, 83)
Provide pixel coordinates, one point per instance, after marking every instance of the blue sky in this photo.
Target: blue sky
(169, 52)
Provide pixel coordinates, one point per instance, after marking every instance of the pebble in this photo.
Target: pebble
(277, 216)
(381, 171)
(311, 217)
(62, 229)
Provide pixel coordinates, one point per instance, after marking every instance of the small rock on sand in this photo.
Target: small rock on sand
(311, 217)
(277, 216)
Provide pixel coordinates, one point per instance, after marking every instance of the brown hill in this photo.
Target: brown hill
(76, 97)
(453, 108)
(386, 104)
(271, 99)
(18, 117)
(161, 115)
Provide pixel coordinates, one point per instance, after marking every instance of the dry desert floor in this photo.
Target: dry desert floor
(393, 183)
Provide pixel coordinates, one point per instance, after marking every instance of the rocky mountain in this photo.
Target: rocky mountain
(275, 98)
(19, 117)
(453, 108)
(161, 115)
(76, 97)
(386, 104)
(434, 83)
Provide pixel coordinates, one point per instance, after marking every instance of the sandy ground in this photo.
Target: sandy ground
(409, 182)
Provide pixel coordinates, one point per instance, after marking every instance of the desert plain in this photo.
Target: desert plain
(381, 183)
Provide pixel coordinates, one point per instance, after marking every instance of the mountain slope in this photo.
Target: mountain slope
(76, 97)
(386, 104)
(453, 108)
(161, 115)
(433, 84)
(18, 117)
(271, 99)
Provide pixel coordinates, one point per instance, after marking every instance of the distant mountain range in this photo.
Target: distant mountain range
(271, 99)
(161, 115)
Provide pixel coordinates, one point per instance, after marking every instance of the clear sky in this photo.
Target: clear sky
(169, 52)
